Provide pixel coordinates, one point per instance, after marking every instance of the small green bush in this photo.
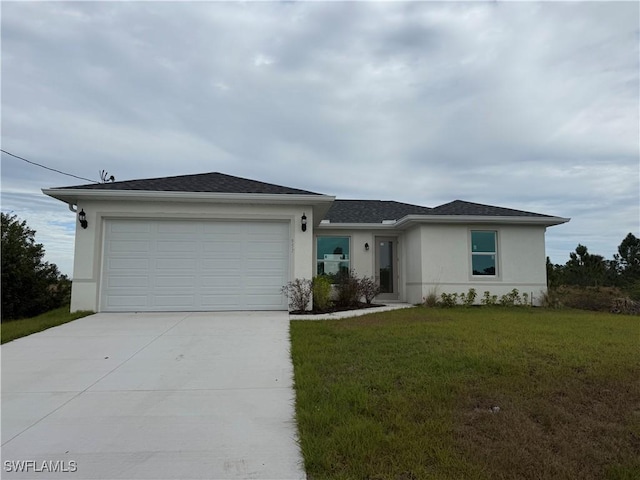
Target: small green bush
(511, 299)
(489, 299)
(448, 299)
(321, 287)
(469, 298)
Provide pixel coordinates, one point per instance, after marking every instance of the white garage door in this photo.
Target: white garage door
(156, 265)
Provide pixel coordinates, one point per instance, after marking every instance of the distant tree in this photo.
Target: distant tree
(628, 258)
(585, 269)
(30, 286)
(554, 274)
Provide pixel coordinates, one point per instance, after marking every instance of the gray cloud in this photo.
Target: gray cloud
(525, 105)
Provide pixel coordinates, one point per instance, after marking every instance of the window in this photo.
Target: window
(484, 252)
(332, 255)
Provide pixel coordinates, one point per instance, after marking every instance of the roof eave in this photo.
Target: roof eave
(357, 226)
(319, 203)
(410, 220)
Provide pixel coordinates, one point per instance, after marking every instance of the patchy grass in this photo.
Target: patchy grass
(13, 329)
(409, 394)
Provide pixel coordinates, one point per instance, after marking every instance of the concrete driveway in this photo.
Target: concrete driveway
(153, 396)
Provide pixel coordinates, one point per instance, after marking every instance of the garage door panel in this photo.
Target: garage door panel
(129, 246)
(222, 266)
(174, 301)
(128, 264)
(191, 265)
(124, 281)
(222, 247)
(176, 281)
(173, 265)
(231, 280)
(177, 227)
(129, 227)
(177, 246)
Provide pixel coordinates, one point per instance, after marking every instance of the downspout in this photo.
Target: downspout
(72, 208)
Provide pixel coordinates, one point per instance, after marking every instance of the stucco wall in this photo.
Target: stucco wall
(88, 244)
(413, 265)
(445, 263)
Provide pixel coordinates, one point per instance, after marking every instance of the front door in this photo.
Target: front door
(387, 267)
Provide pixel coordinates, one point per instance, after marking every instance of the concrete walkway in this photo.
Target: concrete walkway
(153, 396)
(352, 313)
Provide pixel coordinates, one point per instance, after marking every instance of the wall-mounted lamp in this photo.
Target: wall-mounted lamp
(304, 222)
(82, 218)
(366, 247)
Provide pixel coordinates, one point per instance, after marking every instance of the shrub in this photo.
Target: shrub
(369, 289)
(589, 298)
(550, 299)
(448, 299)
(348, 290)
(321, 287)
(510, 299)
(489, 299)
(468, 299)
(431, 300)
(625, 306)
(299, 294)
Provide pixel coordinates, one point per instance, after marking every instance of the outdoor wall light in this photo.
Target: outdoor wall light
(304, 222)
(366, 247)
(82, 218)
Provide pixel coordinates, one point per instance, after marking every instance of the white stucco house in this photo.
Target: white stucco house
(218, 242)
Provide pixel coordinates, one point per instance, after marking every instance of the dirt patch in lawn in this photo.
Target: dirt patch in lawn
(582, 429)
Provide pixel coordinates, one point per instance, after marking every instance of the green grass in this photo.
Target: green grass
(10, 330)
(408, 394)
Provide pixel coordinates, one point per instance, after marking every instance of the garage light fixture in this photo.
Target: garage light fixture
(82, 218)
(304, 222)
(366, 247)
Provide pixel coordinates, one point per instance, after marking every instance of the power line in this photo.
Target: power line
(48, 168)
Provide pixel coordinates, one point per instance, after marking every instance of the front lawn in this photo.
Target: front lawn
(10, 330)
(469, 393)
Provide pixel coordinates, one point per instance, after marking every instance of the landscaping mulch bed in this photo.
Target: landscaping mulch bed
(335, 309)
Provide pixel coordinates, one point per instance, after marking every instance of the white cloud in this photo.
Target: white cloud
(525, 105)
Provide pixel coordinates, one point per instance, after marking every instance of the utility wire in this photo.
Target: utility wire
(48, 168)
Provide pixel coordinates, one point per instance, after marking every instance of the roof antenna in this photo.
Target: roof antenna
(105, 177)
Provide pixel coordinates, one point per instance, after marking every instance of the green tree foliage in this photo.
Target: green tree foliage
(30, 286)
(628, 259)
(585, 269)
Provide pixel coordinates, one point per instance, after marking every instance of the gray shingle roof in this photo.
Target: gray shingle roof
(204, 182)
(460, 207)
(371, 211)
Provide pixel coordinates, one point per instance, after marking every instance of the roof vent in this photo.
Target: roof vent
(325, 221)
(388, 222)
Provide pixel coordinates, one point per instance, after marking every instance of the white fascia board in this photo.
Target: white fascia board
(320, 204)
(477, 219)
(357, 226)
(411, 220)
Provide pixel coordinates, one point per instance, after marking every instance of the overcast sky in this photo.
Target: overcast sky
(532, 106)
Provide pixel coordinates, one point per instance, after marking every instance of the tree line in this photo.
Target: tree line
(30, 286)
(586, 269)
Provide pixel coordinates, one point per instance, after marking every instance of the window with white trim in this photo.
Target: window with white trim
(332, 255)
(484, 253)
